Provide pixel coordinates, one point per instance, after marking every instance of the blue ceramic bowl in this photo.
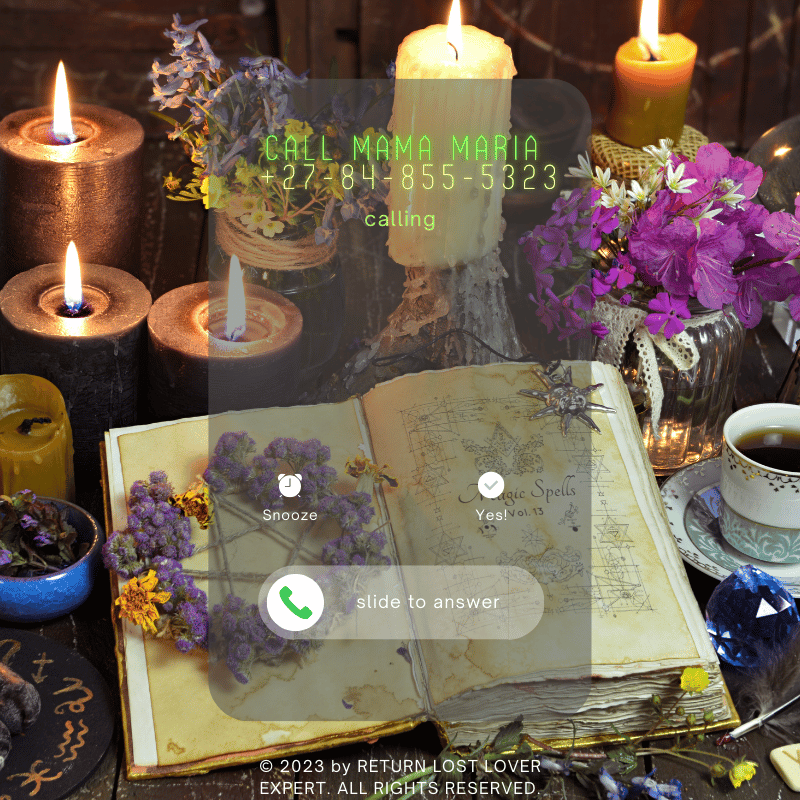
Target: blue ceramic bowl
(50, 596)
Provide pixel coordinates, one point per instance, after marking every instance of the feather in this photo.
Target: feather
(775, 681)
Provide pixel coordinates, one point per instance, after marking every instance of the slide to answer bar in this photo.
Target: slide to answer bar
(380, 602)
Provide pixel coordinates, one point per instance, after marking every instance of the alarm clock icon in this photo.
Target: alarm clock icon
(289, 485)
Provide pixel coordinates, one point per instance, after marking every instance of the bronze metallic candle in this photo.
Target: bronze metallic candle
(194, 370)
(93, 359)
(88, 192)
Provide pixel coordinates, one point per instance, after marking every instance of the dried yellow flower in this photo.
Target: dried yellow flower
(741, 771)
(214, 191)
(694, 680)
(196, 502)
(299, 130)
(171, 183)
(361, 465)
(137, 601)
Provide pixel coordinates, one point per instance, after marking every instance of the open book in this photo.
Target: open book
(581, 512)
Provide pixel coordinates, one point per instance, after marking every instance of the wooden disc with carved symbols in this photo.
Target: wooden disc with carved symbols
(65, 745)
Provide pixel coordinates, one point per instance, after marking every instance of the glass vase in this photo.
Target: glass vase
(696, 401)
(316, 289)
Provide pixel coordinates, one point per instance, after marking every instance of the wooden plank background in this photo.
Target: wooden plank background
(745, 81)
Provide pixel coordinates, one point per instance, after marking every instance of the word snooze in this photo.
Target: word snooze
(295, 516)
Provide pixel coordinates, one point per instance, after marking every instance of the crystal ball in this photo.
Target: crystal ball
(750, 611)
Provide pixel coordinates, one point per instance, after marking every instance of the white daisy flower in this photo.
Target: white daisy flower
(615, 195)
(254, 220)
(661, 153)
(602, 177)
(675, 180)
(707, 213)
(638, 193)
(731, 196)
(582, 171)
(242, 204)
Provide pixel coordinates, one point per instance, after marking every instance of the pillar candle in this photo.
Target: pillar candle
(88, 192)
(92, 359)
(470, 96)
(651, 84)
(193, 371)
(35, 438)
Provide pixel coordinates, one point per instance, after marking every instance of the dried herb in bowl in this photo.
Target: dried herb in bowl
(35, 537)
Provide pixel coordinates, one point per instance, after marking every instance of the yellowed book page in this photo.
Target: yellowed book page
(573, 520)
(339, 671)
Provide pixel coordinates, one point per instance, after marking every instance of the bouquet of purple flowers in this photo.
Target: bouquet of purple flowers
(685, 229)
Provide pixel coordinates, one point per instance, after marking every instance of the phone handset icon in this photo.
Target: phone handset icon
(283, 612)
(304, 613)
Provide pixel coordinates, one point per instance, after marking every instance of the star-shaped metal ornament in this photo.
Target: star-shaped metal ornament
(565, 399)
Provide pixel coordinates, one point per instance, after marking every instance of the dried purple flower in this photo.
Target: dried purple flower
(240, 638)
(36, 535)
(155, 528)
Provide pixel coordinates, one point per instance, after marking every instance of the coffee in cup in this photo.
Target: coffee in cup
(760, 486)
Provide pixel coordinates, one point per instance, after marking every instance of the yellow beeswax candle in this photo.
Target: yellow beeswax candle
(652, 77)
(35, 453)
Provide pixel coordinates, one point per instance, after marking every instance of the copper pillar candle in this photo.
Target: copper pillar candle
(35, 438)
(193, 371)
(92, 359)
(88, 192)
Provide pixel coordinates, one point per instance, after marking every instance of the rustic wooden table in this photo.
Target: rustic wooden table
(174, 253)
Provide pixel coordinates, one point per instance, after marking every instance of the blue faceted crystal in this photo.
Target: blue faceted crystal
(748, 612)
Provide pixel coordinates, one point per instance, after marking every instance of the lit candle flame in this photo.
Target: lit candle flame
(73, 288)
(648, 28)
(236, 319)
(782, 151)
(62, 120)
(454, 28)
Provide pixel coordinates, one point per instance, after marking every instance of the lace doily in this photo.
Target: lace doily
(628, 321)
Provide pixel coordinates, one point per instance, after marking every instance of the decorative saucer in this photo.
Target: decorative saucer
(691, 499)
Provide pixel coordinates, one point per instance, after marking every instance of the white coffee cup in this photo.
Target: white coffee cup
(760, 509)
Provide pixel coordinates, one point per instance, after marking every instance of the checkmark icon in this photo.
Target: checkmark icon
(491, 485)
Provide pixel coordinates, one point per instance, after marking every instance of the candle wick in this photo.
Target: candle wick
(65, 138)
(25, 426)
(454, 48)
(651, 56)
(83, 310)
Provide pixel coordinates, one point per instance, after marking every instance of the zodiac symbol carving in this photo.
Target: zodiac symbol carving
(35, 777)
(75, 706)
